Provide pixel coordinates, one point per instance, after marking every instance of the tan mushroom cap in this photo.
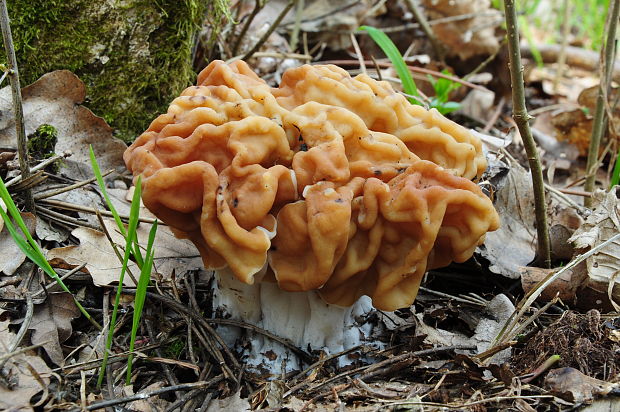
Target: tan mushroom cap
(322, 180)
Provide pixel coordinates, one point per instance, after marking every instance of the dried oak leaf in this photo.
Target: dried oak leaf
(51, 324)
(55, 99)
(104, 266)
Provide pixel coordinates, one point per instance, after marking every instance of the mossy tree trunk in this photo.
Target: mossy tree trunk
(133, 55)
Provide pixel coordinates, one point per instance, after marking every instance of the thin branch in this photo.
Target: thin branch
(22, 147)
(271, 29)
(521, 118)
(257, 7)
(598, 123)
(419, 16)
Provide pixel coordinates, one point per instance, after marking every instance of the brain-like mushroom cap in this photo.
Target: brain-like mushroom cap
(336, 183)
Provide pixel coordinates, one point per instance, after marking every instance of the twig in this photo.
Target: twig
(7, 356)
(12, 350)
(257, 7)
(521, 119)
(40, 166)
(533, 294)
(204, 323)
(79, 208)
(169, 375)
(598, 123)
(358, 53)
(419, 16)
(18, 110)
(412, 68)
(495, 115)
(45, 288)
(63, 218)
(64, 189)
(149, 394)
(271, 29)
(462, 406)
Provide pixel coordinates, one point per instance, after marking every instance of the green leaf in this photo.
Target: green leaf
(391, 51)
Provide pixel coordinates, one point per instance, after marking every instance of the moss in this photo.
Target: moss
(41, 145)
(133, 55)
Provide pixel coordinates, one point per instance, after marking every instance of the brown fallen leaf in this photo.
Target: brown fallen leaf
(11, 256)
(574, 386)
(27, 374)
(104, 266)
(603, 267)
(51, 324)
(55, 99)
(512, 246)
(565, 286)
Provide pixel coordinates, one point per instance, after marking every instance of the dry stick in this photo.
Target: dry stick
(204, 323)
(521, 119)
(79, 208)
(533, 294)
(145, 395)
(414, 69)
(40, 166)
(271, 29)
(598, 127)
(18, 110)
(419, 16)
(257, 7)
(64, 189)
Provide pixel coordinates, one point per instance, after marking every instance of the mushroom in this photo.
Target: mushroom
(326, 186)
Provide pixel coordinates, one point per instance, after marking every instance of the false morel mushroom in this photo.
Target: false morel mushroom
(329, 182)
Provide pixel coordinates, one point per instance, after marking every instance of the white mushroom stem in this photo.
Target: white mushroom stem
(301, 317)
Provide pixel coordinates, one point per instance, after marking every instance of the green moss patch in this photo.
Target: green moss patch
(133, 55)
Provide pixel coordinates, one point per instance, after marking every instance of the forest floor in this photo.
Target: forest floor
(493, 333)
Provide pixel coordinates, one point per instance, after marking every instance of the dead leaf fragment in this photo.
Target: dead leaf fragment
(466, 37)
(27, 374)
(574, 386)
(104, 266)
(55, 99)
(603, 268)
(11, 256)
(51, 324)
(512, 246)
(231, 404)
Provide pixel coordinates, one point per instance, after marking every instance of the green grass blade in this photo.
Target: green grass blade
(31, 248)
(391, 51)
(131, 234)
(615, 176)
(143, 283)
(121, 227)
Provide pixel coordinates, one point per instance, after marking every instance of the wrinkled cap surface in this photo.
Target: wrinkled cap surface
(330, 182)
